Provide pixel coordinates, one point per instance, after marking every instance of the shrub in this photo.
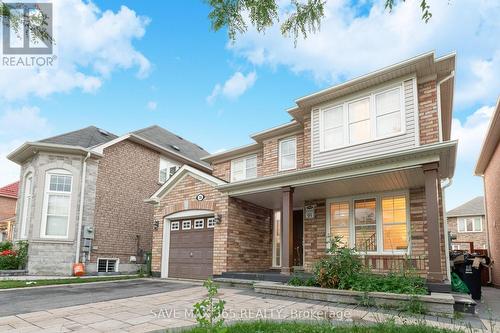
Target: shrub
(296, 281)
(11, 258)
(6, 245)
(339, 268)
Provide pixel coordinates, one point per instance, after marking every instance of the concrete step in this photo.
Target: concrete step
(464, 303)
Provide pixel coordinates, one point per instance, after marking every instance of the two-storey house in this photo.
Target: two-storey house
(82, 196)
(364, 160)
(468, 225)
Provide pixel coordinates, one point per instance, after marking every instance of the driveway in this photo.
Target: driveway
(25, 300)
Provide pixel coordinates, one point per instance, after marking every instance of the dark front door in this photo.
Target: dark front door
(298, 237)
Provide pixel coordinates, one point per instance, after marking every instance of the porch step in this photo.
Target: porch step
(464, 303)
(439, 287)
(236, 283)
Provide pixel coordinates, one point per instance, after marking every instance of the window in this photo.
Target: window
(244, 168)
(167, 170)
(25, 221)
(339, 225)
(375, 116)
(394, 223)
(277, 239)
(333, 128)
(365, 225)
(455, 247)
(288, 154)
(107, 265)
(57, 203)
(174, 226)
(470, 224)
(186, 225)
(377, 223)
(388, 111)
(199, 224)
(210, 222)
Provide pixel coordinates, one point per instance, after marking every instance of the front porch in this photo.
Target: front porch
(391, 212)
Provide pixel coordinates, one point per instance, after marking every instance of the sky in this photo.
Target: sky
(125, 65)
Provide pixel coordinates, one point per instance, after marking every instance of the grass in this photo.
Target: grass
(299, 327)
(8, 284)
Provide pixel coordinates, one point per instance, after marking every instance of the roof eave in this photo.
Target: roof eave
(30, 148)
(490, 142)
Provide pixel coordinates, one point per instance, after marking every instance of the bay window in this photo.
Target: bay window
(26, 205)
(374, 116)
(375, 223)
(244, 168)
(57, 202)
(288, 154)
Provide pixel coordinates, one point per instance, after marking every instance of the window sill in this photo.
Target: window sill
(52, 240)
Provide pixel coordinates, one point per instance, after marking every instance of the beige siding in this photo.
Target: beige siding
(373, 148)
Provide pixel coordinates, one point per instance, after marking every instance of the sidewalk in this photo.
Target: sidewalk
(173, 309)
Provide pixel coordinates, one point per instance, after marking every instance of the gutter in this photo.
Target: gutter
(438, 89)
(445, 227)
(80, 214)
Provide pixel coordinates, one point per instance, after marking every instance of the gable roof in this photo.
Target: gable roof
(173, 143)
(85, 137)
(10, 190)
(474, 207)
(178, 176)
(490, 143)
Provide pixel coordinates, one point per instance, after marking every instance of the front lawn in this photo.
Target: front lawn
(8, 284)
(294, 327)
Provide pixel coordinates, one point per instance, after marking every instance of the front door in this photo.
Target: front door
(298, 237)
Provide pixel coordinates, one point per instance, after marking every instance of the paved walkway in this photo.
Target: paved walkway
(489, 308)
(172, 309)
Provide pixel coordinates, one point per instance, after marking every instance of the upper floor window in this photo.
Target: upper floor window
(57, 202)
(244, 168)
(167, 169)
(26, 205)
(372, 117)
(470, 224)
(288, 154)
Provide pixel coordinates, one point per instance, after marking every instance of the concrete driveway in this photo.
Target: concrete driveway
(13, 302)
(172, 307)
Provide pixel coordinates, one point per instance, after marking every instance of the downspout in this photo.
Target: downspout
(80, 214)
(440, 124)
(445, 227)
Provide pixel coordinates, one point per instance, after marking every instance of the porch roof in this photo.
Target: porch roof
(393, 171)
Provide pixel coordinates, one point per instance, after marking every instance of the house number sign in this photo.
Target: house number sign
(309, 212)
(200, 197)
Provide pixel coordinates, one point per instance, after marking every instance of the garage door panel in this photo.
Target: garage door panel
(191, 253)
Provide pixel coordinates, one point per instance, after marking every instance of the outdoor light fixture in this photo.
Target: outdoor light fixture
(217, 219)
(156, 224)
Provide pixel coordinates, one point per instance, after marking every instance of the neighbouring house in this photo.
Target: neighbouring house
(82, 196)
(365, 160)
(488, 167)
(8, 201)
(467, 223)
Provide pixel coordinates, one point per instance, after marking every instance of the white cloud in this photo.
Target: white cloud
(152, 105)
(25, 124)
(90, 46)
(349, 45)
(234, 87)
(471, 133)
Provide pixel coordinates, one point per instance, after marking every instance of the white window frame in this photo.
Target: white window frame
(169, 165)
(117, 264)
(464, 220)
(202, 223)
(289, 139)
(379, 223)
(47, 193)
(211, 222)
(373, 117)
(26, 206)
(245, 160)
(186, 222)
(175, 226)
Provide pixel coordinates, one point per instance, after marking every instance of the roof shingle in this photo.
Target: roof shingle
(474, 207)
(10, 190)
(86, 137)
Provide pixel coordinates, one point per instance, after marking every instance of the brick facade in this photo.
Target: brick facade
(480, 239)
(7, 207)
(492, 198)
(428, 113)
(127, 174)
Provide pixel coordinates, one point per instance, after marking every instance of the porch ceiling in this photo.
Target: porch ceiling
(385, 181)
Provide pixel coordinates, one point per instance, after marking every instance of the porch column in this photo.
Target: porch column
(287, 230)
(433, 231)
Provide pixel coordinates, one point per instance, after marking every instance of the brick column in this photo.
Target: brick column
(432, 212)
(287, 231)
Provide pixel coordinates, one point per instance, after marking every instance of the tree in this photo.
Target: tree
(304, 18)
(34, 22)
